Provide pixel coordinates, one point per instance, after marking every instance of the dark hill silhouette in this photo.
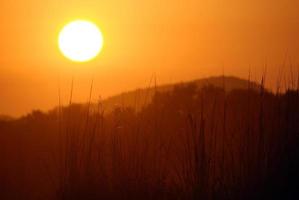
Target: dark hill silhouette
(143, 96)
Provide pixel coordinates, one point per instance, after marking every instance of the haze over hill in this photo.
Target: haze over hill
(141, 97)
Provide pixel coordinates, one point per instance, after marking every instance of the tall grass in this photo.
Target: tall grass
(187, 144)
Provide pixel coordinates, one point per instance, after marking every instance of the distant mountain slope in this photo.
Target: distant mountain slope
(5, 118)
(140, 97)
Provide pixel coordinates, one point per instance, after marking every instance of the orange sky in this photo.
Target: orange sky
(176, 40)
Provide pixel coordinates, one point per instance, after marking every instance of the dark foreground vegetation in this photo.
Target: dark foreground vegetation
(189, 143)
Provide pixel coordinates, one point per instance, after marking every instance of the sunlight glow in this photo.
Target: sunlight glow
(80, 41)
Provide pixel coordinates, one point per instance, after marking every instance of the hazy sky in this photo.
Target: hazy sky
(176, 40)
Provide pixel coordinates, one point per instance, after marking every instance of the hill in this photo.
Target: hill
(142, 96)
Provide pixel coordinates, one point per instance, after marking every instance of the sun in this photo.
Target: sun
(80, 41)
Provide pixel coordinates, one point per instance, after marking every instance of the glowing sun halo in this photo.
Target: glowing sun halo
(80, 41)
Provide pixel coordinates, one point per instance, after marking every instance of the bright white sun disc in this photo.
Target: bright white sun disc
(80, 41)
